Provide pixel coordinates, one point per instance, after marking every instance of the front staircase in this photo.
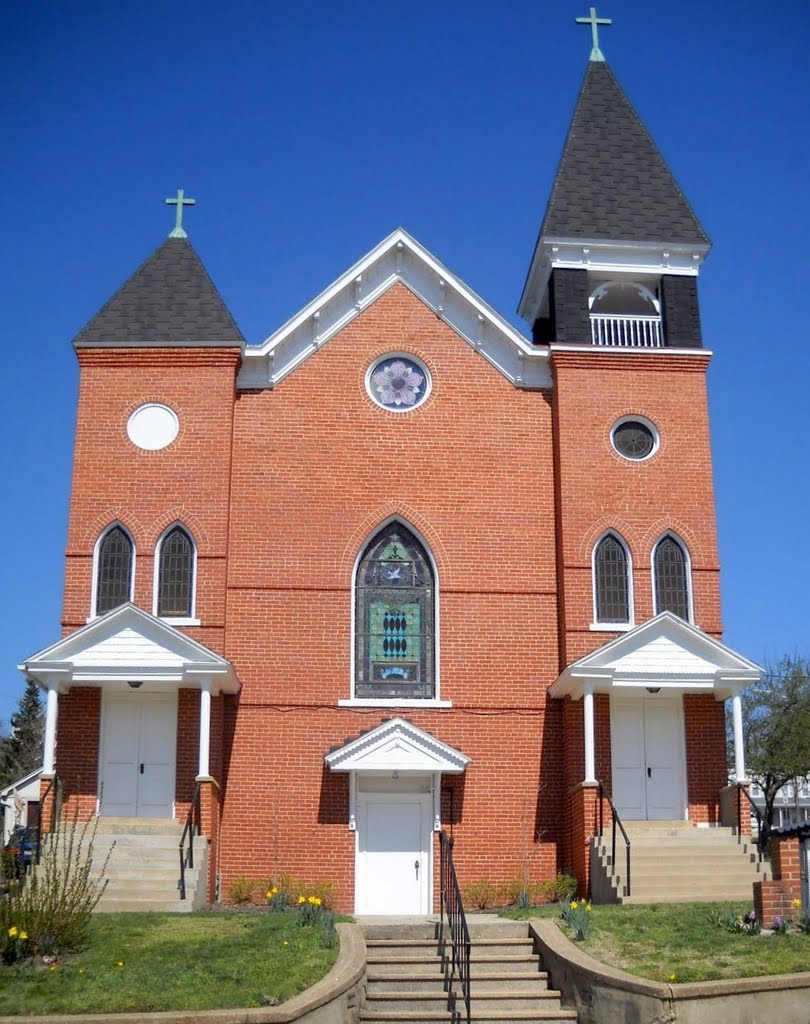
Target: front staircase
(143, 869)
(674, 862)
(408, 982)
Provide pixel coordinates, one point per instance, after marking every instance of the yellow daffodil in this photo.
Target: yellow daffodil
(588, 907)
(574, 904)
(286, 943)
(301, 899)
(53, 967)
(23, 936)
(796, 904)
(673, 977)
(12, 932)
(120, 963)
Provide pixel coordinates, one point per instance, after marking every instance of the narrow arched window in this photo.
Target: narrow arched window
(671, 577)
(611, 581)
(394, 618)
(113, 570)
(175, 590)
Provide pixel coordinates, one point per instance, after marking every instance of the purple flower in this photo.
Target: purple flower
(777, 922)
(397, 383)
(751, 916)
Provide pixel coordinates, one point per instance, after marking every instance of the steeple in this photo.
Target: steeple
(169, 302)
(617, 217)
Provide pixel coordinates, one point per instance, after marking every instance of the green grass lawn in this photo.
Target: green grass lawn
(663, 940)
(143, 962)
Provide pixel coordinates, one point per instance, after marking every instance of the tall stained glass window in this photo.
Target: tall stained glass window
(176, 575)
(611, 581)
(114, 570)
(394, 605)
(671, 572)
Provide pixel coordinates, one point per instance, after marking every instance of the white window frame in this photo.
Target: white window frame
(176, 620)
(614, 627)
(688, 562)
(96, 553)
(370, 702)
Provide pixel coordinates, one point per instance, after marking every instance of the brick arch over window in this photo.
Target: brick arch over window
(176, 574)
(410, 517)
(612, 573)
(113, 569)
(395, 617)
(672, 584)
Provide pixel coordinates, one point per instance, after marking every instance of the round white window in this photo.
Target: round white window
(398, 382)
(152, 427)
(635, 438)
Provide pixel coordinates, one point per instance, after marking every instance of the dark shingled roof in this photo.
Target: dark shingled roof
(169, 302)
(612, 183)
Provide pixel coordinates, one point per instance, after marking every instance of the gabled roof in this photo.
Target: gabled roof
(665, 653)
(129, 645)
(612, 182)
(397, 745)
(169, 302)
(399, 258)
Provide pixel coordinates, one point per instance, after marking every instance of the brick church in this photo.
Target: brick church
(402, 568)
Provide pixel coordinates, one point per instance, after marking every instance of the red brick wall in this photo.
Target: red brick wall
(706, 758)
(77, 752)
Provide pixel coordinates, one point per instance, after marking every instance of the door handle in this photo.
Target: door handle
(141, 769)
(649, 772)
(416, 868)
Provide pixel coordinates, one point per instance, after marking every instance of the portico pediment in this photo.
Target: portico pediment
(397, 745)
(666, 653)
(127, 644)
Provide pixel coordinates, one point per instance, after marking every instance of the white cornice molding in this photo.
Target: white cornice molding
(631, 661)
(619, 257)
(397, 745)
(631, 350)
(398, 258)
(162, 656)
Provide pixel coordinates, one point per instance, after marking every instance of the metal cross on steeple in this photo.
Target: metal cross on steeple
(179, 202)
(594, 22)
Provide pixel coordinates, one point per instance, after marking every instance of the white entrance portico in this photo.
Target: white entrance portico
(395, 775)
(646, 672)
(139, 663)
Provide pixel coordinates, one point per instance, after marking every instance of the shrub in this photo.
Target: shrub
(51, 906)
(803, 924)
(241, 889)
(277, 901)
(509, 892)
(481, 895)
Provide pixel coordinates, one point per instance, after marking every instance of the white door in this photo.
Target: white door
(393, 867)
(647, 748)
(138, 755)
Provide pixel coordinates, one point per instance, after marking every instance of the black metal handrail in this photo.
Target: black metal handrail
(55, 787)
(615, 820)
(192, 827)
(763, 829)
(453, 907)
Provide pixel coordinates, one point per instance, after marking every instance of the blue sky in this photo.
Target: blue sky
(308, 131)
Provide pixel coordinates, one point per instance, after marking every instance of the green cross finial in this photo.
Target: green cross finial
(179, 202)
(593, 21)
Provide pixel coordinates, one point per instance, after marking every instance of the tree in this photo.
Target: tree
(776, 724)
(21, 750)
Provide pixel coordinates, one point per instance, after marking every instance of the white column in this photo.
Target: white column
(739, 750)
(205, 730)
(590, 754)
(49, 753)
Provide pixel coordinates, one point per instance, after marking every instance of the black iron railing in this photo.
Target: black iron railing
(192, 827)
(763, 828)
(54, 791)
(615, 820)
(452, 908)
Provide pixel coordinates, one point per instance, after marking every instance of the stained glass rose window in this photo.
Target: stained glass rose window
(398, 382)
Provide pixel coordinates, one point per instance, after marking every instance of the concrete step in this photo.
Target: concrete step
(139, 826)
(171, 906)
(548, 1016)
(481, 1002)
(490, 981)
(485, 947)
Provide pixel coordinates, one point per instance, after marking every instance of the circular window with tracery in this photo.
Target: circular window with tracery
(635, 439)
(398, 382)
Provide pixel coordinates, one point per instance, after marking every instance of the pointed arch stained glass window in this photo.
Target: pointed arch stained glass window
(671, 572)
(611, 583)
(176, 576)
(114, 572)
(394, 616)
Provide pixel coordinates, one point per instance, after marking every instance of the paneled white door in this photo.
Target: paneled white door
(393, 866)
(647, 752)
(138, 755)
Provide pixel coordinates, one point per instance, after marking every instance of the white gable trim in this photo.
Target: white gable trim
(397, 746)
(398, 258)
(664, 653)
(129, 645)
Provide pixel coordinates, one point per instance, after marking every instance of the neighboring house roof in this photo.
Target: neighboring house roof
(26, 780)
(169, 302)
(612, 182)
